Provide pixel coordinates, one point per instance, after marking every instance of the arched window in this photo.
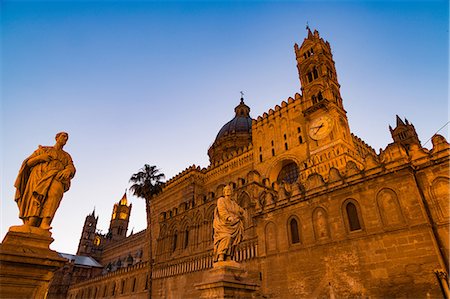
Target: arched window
(319, 96)
(289, 173)
(352, 215)
(186, 238)
(133, 288)
(174, 241)
(293, 227)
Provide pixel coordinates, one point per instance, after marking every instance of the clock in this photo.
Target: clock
(320, 127)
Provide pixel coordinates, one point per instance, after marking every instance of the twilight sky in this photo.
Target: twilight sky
(137, 82)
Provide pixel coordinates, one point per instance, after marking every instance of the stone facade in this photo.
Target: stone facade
(326, 215)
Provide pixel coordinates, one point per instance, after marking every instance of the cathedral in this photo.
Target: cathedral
(326, 215)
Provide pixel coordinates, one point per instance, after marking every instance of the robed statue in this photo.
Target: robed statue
(42, 181)
(228, 226)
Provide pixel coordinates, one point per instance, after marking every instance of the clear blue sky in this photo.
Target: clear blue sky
(137, 82)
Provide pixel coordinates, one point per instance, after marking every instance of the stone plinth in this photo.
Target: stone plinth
(27, 263)
(227, 279)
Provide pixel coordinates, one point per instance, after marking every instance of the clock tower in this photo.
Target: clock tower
(330, 143)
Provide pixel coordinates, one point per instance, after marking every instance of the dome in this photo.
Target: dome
(235, 134)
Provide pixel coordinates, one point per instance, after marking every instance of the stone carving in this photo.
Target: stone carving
(42, 181)
(228, 226)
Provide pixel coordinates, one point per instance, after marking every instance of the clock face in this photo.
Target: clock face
(320, 127)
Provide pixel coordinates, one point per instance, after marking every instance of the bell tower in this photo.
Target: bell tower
(330, 142)
(120, 218)
(86, 244)
(317, 72)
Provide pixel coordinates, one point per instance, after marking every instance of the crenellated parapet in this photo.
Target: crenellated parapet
(185, 175)
(276, 112)
(363, 148)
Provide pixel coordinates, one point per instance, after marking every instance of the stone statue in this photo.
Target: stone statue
(42, 181)
(228, 226)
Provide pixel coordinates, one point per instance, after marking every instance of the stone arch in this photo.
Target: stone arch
(209, 213)
(208, 222)
(320, 223)
(389, 207)
(173, 236)
(161, 240)
(244, 200)
(197, 224)
(271, 237)
(162, 230)
(294, 230)
(440, 191)
(276, 167)
(351, 212)
(314, 180)
(185, 229)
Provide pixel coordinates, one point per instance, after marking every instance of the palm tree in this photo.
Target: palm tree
(146, 183)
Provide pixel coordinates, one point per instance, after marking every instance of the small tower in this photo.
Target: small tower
(119, 220)
(86, 244)
(404, 133)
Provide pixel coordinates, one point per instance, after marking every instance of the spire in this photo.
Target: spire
(309, 30)
(124, 201)
(93, 212)
(399, 121)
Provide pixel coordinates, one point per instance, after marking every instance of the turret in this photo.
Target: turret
(404, 133)
(120, 218)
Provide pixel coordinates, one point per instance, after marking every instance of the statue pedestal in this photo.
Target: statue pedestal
(227, 279)
(27, 263)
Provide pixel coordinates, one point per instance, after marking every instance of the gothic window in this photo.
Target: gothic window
(273, 152)
(298, 130)
(285, 146)
(133, 285)
(289, 173)
(300, 139)
(260, 158)
(293, 231)
(314, 99)
(174, 241)
(330, 73)
(186, 238)
(310, 78)
(122, 287)
(319, 96)
(315, 73)
(352, 216)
